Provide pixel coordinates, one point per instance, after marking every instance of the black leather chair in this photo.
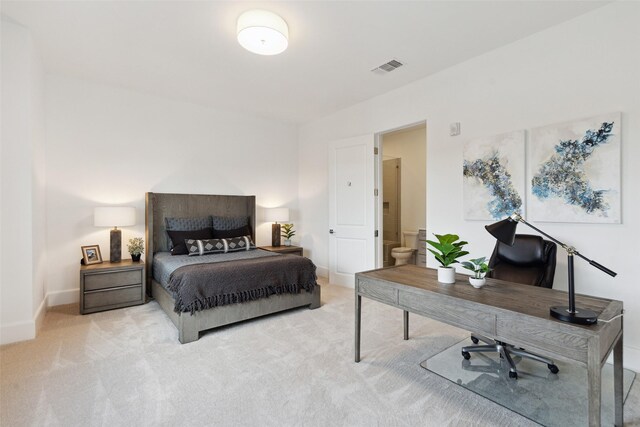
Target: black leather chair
(530, 261)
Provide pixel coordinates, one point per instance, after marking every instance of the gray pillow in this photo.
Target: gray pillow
(187, 224)
(228, 222)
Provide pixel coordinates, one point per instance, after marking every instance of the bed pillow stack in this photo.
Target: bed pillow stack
(180, 229)
(185, 233)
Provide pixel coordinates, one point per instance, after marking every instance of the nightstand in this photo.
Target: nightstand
(108, 285)
(294, 250)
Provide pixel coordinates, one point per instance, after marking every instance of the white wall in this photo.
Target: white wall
(108, 146)
(410, 146)
(586, 66)
(22, 186)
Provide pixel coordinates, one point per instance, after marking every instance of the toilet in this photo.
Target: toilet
(404, 254)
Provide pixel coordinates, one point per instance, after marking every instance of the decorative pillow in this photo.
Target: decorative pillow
(203, 247)
(242, 243)
(236, 232)
(187, 224)
(228, 222)
(179, 236)
(197, 247)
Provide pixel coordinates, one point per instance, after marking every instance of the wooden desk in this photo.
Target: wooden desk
(508, 312)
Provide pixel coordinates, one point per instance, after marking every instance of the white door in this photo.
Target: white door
(352, 241)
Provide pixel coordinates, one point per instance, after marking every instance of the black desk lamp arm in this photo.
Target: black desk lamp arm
(570, 249)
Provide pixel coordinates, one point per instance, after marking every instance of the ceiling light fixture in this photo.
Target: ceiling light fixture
(263, 32)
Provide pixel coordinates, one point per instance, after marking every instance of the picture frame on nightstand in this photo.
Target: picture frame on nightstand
(91, 254)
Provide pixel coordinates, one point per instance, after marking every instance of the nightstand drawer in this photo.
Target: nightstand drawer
(112, 279)
(113, 298)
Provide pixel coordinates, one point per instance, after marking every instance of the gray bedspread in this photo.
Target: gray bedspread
(164, 264)
(202, 286)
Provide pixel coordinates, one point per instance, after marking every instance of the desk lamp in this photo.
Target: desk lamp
(505, 232)
(116, 216)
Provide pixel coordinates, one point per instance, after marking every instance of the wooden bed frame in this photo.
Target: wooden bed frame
(162, 205)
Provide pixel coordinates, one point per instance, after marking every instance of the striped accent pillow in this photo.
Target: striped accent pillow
(212, 246)
(242, 243)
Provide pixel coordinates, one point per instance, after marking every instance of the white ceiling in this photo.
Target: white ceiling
(187, 49)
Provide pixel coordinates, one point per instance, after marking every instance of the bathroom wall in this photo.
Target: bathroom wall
(410, 146)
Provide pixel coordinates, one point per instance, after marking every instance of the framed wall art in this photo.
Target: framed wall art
(574, 171)
(494, 176)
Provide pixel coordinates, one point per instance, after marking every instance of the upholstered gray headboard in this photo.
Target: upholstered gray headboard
(162, 205)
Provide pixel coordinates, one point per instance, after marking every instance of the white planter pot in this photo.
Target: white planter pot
(287, 242)
(477, 283)
(446, 275)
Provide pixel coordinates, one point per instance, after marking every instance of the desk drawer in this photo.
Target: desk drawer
(378, 291)
(459, 315)
(113, 297)
(112, 279)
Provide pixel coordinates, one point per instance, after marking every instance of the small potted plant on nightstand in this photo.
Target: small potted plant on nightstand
(136, 248)
(448, 249)
(288, 232)
(480, 269)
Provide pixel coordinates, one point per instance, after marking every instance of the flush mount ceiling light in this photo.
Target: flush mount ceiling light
(263, 32)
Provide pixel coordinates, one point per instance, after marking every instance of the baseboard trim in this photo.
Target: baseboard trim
(322, 272)
(68, 296)
(17, 331)
(38, 318)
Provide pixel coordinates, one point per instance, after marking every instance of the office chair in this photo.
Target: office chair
(530, 261)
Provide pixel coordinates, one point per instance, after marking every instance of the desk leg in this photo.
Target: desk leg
(406, 325)
(617, 382)
(358, 316)
(594, 382)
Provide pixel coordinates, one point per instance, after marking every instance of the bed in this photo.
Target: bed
(192, 321)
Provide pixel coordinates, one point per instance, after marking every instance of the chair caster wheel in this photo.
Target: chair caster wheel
(474, 340)
(513, 375)
(466, 355)
(553, 368)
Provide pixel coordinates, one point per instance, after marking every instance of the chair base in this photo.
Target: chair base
(505, 350)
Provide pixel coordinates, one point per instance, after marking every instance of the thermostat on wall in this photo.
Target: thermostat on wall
(454, 129)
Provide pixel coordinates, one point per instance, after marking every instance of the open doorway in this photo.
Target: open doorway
(402, 203)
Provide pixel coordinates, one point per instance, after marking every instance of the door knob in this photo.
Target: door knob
(331, 231)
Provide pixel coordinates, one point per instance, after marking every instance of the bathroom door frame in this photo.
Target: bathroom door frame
(379, 147)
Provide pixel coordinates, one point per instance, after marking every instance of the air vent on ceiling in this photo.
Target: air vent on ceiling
(388, 67)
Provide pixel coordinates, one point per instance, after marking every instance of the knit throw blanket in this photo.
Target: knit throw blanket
(202, 286)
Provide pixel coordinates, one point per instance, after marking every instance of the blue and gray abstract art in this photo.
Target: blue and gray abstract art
(495, 177)
(563, 175)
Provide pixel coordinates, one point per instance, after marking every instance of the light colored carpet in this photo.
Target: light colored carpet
(125, 367)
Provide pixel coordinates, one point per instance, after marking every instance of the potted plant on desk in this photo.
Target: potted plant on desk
(287, 232)
(136, 248)
(447, 250)
(480, 269)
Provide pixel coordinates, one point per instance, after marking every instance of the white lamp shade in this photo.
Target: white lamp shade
(276, 215)
(116, 216)
(263, 32)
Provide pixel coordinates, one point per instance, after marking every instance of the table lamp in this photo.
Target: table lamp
(505, 232)
(114, 216)
(276, 215)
